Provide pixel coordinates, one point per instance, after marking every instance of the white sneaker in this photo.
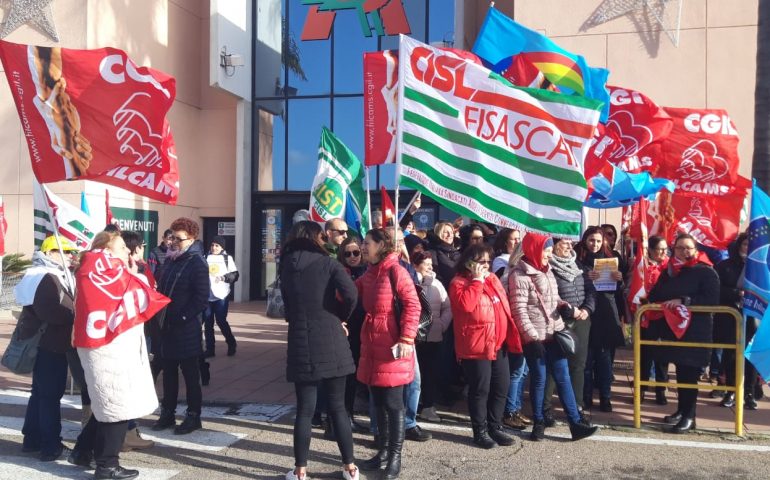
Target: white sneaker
(290, 475)
(347, 476)
(430, 415)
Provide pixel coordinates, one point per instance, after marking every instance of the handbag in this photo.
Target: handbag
(20, 354)
(565, 338)
(426, 315)
(275, 305)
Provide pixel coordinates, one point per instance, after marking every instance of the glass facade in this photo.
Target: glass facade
(325, 88)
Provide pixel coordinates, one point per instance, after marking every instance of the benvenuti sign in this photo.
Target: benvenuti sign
(385, 17)
(144, 222)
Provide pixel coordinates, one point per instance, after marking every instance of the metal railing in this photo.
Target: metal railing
(738, 346)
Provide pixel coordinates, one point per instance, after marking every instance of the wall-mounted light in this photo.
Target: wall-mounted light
(229, 61)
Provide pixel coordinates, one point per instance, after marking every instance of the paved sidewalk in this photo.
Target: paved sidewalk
(256, 374)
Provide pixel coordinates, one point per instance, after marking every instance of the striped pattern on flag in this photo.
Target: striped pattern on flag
(483, 148)
(74, 225)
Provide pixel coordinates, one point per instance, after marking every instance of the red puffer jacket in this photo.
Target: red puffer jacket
(381, 330)
(473, 311)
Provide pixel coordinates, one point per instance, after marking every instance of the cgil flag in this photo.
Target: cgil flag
(94, 114)
(500, 38)
(339, 172)
(74, 225)
(491, 151)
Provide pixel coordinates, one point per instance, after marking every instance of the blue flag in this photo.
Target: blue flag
(758, 350)
(353, 216)
(757, 284)
(84, 204)
(500, 38)
(625, 189)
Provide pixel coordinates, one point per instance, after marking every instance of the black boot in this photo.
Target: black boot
(581, 430)
(481, 437)
(499, 436)
(165, 420)
(104, 473)
(396, 421)
(382, 441)
(192, 422)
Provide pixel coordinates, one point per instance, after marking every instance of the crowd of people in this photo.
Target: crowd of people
(502, 306)
(411, 318)
(114, 359)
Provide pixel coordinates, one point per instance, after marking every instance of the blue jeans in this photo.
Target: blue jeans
(217, 311)
(411, 401)
(42, 421)
(519, 371)
(598, 363)
(554, 364)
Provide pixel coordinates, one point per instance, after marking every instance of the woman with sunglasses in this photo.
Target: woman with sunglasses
(688, 279)
(484, 335)
(351, 258)
(387, 345)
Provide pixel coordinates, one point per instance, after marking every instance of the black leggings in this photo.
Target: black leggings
(307, 394)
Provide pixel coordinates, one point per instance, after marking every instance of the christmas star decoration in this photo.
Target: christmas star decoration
(37, 13)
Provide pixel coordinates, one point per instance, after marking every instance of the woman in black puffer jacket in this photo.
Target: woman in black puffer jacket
(578, 291)
(688, 280)
(318, 355)
(606, 330)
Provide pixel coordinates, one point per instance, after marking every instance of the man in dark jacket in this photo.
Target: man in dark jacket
(48, 302)
(185, 280)
(158, 254)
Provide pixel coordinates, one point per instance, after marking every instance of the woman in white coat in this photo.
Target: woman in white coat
(429, 353)
(109, 336)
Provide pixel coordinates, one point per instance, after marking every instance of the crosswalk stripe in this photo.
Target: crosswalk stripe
(29, 468)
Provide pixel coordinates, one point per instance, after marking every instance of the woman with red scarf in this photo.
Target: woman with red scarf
(484, 335)
(688, 280)
(534, 298)
(657, 262)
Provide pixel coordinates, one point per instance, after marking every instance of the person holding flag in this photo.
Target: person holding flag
(111, 305)
(47, 301)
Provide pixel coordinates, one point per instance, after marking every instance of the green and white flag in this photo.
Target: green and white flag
(483, 148)
(74, 225)
(339, 172)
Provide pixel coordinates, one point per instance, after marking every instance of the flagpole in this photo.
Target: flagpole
(52, 218)
(399, 129)
(368, 196)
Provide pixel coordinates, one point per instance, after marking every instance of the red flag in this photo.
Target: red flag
(678, 319)
(3, 226)
(110, 218)
(388, 210)
(701, 153)
(380, 106)
(94, 114)
(638, 231)
(110, 300)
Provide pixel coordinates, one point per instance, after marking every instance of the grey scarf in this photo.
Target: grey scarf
(566, 268)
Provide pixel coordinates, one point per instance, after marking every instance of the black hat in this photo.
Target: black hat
(219, 240)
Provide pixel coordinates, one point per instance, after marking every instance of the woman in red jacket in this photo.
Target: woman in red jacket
(387, 345)
(484, 334)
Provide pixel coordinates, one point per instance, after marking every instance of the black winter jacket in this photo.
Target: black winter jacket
(606, 330)
(579, 293)
(697, 285)
(54, 305)
(181, 336)
(310, 282)
(730, 295)
(445, 262)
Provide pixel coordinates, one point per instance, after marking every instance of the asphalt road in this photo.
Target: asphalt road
(246, 446)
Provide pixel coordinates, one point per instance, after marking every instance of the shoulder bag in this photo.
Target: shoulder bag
(426, 316)
(20, 355)
(565, 338)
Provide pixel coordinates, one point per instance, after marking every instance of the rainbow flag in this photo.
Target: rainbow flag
(501, 38)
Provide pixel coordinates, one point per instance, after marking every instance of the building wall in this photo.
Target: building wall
(714, 65)
(172, 36)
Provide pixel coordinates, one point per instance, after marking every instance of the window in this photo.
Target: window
(306, 117)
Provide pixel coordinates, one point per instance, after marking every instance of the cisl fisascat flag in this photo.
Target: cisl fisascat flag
(507, 155)
(94, 114)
